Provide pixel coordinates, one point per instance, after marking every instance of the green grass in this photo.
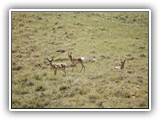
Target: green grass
(105, 36)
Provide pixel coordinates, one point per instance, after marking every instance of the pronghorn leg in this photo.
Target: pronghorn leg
(64, 72)
(55, 71)
(72, 68)
(83, 67)
(74, 65)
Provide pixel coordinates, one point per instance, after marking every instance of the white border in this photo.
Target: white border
(10, 51)
(105, 10)
(54, 10)
(150, 59)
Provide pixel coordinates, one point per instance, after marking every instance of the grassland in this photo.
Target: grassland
(104, 36)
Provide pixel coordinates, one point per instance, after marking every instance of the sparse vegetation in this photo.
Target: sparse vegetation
(105, 37)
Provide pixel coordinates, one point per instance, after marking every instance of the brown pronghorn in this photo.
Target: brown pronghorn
(58, 66)
(76, 61)
(121, 66)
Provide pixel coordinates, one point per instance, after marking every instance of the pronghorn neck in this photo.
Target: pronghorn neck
(70, 57)
(51, 63)
(73, 60)
(122, 64)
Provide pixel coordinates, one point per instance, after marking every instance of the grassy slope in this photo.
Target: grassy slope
(106, 36)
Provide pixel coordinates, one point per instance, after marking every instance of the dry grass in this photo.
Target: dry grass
(105, 36)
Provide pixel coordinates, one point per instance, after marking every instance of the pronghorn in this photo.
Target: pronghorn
(75, 61)
(118, 67)
(121, 66)
(58, 66)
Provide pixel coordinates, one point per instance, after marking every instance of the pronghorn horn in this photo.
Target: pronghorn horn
(123, 60)
(49, 60)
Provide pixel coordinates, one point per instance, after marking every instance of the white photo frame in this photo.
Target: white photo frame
(11, 108)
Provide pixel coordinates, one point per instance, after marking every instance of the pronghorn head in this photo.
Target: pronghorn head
(50, 61)
(122, 63)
